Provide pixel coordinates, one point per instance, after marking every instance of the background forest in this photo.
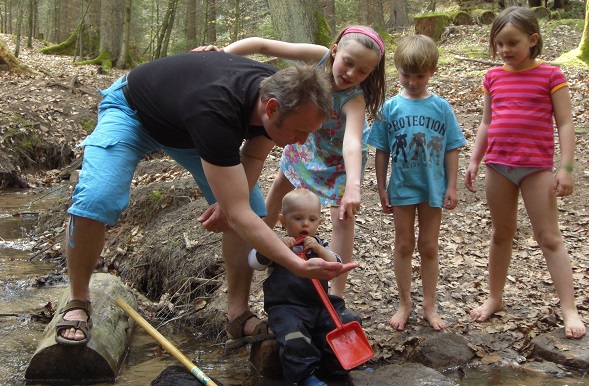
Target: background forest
(128, 32)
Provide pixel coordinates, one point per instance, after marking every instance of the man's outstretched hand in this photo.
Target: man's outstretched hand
(323, 270)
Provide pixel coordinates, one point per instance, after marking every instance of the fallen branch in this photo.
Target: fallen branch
(487, 62)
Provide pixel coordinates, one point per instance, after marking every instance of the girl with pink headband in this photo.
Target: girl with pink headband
(331, 162)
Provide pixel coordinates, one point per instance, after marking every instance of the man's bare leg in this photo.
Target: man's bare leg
(87, 237)
(239, 278)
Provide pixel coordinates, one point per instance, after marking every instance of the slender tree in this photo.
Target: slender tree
(19, 21)
(398, 14)
(123, 61)
(584, 44)
(329, 13)
(161, 48)
(190, 32)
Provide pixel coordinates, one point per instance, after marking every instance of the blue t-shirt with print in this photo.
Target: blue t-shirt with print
(417, 134)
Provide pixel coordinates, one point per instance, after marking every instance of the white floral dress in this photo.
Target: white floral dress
(318, 164)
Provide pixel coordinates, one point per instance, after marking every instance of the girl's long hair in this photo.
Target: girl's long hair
(374, 85)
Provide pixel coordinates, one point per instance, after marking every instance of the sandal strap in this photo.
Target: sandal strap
(235, 328)
(83, 305)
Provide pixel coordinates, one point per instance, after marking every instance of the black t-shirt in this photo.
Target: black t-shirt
(199, 100)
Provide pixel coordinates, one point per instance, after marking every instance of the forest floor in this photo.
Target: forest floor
(43, 105)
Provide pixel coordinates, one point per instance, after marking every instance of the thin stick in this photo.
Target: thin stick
(166, 344)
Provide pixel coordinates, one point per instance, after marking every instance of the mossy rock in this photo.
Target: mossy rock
(431, 25)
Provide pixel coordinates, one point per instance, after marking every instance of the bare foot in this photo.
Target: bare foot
(434, 320)
(573, 325)
(488, 308)
(400, 317)
(72, 333)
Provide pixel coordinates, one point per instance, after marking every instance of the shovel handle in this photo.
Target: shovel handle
(321, 291)
(169, 347)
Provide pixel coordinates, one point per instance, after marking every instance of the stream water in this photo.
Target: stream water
(20, 332)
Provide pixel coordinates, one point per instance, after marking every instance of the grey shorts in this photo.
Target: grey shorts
(515, 174)
(111, 155)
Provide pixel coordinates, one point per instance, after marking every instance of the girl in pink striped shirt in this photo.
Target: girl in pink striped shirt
(516, 138)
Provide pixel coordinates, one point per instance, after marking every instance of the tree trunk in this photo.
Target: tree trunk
(295, 21)
(111, 28)
(165, 29)
(375, 14)
(170, 27)
(7, 59)
(123, 61)
(30, 18)
(584, 44)
(398, 15)
(363, 12)
(210, 22)
(236, 21)
(19, 18)
(190, 32)
(329, 13)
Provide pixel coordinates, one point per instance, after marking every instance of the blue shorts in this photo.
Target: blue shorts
(112, 153)
(515, 174)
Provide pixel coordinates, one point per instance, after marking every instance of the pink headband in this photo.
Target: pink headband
(367, 32)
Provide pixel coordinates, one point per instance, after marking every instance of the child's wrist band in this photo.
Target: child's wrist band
(568, 168)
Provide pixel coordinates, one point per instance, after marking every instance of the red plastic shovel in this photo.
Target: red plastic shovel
(348, 341)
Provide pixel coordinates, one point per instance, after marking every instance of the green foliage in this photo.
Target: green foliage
(87, 124)
(345, 11)
(156, 197)
(573, 23)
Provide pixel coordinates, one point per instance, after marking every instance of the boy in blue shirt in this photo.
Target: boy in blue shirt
(421, 133)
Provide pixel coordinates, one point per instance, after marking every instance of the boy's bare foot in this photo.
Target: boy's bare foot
(574, 328)
(434, 320)
(488, 308)
(400, 317)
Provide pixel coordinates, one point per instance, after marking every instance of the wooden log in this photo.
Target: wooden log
(431, 25)
(483, 16)
(98, 361)
(461, 18)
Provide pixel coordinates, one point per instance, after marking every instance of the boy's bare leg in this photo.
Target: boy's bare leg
(342, 243)
(404, 219)
(427, 245)
(502, 196)
(87, 237)
(540, 202)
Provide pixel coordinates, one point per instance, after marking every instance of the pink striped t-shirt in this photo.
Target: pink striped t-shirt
(521, 133)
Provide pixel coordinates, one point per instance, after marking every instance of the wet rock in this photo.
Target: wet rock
(555, 347)
(400, 374)
(265, 359)
(443, 350)
(175, 376)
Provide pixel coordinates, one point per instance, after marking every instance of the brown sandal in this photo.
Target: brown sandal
(237, 337)
(82, 325)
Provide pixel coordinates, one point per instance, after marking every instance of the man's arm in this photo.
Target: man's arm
(231, 189)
